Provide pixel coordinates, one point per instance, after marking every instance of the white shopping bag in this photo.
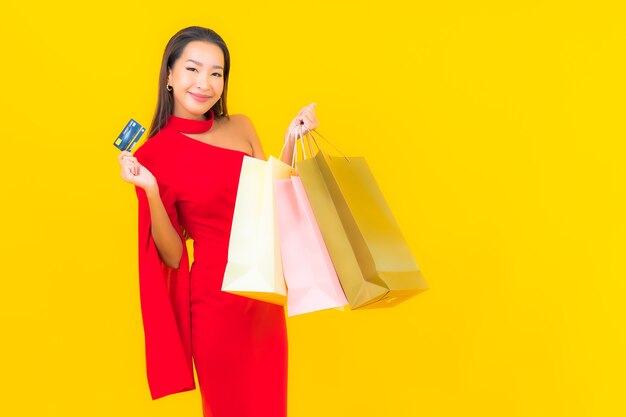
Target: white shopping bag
(254, 266)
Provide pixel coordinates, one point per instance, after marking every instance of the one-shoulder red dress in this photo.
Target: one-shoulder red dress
(238, 345)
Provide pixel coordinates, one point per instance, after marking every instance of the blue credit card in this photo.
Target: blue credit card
(130, 136)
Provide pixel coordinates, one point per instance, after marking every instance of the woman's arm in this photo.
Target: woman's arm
(288, 144)
(165, 236)
(303, 122)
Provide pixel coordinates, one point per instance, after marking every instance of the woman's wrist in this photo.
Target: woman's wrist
(152, 192)
(290, 138)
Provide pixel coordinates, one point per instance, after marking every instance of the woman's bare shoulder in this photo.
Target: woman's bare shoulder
(238, 121)
(240, 125)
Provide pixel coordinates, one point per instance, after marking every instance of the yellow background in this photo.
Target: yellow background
(495, 130)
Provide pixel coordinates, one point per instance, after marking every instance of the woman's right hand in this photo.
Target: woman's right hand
(135, 173)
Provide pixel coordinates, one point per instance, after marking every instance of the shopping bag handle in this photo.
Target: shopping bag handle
(295, 145)
(308, 137)
(314, 140)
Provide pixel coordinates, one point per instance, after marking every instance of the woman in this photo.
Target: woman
(186, 176)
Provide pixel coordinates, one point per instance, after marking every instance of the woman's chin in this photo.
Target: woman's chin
(197, 112)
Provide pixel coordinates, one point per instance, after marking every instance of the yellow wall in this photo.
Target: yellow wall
(496, 133)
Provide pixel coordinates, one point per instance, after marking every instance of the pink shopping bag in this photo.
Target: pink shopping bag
(312, 283)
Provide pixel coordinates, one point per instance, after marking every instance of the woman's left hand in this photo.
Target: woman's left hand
(304, 122)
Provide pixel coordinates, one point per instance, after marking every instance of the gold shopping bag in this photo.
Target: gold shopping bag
(372, 259)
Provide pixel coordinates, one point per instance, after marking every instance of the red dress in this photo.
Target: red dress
(238, 345)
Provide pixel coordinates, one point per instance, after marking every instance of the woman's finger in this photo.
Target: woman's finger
(310, 122)
(131, 170)
(126, 174)
(305, 109)
(309, 107)
(310, 116)
(130, 160)
(124, 154)
(123, 159)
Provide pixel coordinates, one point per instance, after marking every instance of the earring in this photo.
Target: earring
(168, 87)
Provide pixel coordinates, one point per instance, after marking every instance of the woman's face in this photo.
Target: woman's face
(197, 79)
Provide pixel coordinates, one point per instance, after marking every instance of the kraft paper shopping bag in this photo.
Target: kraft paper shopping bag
(371, 256)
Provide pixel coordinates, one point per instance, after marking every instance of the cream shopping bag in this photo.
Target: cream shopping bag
(254, 266)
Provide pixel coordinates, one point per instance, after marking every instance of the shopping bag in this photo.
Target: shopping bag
(254, 267)
(312, 282)
(370, 255)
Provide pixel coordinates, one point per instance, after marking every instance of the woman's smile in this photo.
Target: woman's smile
(201, 98)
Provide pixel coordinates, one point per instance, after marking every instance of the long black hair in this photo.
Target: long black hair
(173, 51)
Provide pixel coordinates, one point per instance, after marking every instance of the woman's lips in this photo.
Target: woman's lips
(200, 97)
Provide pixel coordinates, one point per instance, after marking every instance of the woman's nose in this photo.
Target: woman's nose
(202, 83)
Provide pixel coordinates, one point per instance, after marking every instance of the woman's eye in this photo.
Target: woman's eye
(191, 69)
(216, 74)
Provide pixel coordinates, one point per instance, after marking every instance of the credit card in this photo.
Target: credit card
(130, 136)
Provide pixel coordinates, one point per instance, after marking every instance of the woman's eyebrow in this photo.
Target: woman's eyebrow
(200, 64)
